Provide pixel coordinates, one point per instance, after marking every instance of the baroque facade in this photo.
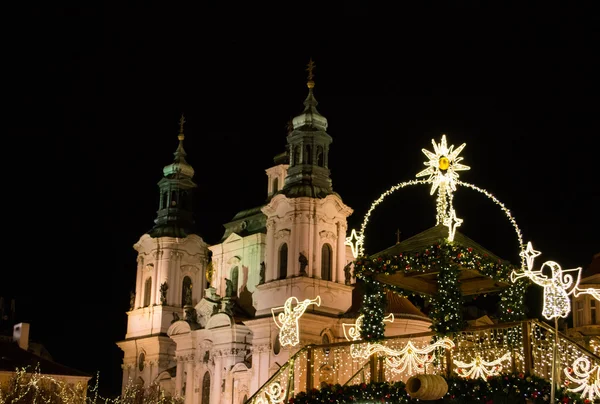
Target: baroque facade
(200, 321)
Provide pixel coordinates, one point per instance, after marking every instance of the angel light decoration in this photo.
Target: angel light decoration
(287, 321)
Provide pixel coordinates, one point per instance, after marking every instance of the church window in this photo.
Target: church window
(164, 199)
(147, 291)
(141, 361)
(296, 155)
(245, 398)
(173, 198)
(326, 255)
(275, 184)
(206, 388)
(283, 257)
(307, 154)
(186, 291)
(183, 199)
(234, 280)
(325, 341)
(276, 345)
(320, 156)
(593, 312)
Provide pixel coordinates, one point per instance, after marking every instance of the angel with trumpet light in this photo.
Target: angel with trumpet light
(287, 321)
(557, 287)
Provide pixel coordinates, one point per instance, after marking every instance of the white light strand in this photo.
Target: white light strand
(557, 288)
(480, 368)
(587, 378)
(415, 358)
(504, 209)
(287, 321)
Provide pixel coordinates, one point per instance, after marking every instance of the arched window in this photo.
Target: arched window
(183, 199)
(276, 345)
(186, 291)
(245, 398)
(234, 280)
(320, 156)
(296, 155)
(326, 255)
(275, 184)
(141, 361)
(206, 388)
(325, 341)
(307, 154)
(165, 200)
(283, 257)
(147, 291)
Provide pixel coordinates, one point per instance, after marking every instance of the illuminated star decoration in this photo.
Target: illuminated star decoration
(415, 358)
(587, 378)
(480, 368)
(557, 288)
(452, 222)
(442, 170)
(355, 242)
(287, 321)
(587, 291)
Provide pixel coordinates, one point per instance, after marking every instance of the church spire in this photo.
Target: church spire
(308, 143)
(174, 215)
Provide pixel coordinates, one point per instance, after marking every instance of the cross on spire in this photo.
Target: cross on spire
(181, 122)
(309, 68)
(398, 232)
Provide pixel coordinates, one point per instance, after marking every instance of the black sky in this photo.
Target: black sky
(95, 93)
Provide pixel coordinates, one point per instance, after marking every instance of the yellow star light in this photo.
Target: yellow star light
(443, 164)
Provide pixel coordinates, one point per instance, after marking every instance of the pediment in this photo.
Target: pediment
(179, 327)
(219, 320)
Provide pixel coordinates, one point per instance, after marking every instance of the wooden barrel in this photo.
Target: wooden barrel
(426, 387)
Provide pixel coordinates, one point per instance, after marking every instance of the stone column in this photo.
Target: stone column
(340, 277)
(189, 380)
(215, 391)
(155, 281)
(139, 285)
(179, 376)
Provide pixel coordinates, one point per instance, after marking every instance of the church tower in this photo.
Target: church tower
(305, 254)
(171, 266)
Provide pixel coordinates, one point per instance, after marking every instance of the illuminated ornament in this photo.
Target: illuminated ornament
(587, 291)
(557, 288)
(480, 368)
(355, 242)
(415, 358)
(442, 170)
(352, 332)
(452, 222)
(587, 378)
(275, 393)
(287, 321)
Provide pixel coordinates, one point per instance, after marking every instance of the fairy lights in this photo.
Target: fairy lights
(557, 287)
(480, 368)
(586, 376)
(287, 321)
(412, 358)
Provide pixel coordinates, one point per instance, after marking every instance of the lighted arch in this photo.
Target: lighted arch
(361, 236)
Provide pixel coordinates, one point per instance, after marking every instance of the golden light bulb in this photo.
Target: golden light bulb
(444, 163)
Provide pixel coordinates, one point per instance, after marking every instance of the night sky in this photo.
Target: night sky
(95, 95)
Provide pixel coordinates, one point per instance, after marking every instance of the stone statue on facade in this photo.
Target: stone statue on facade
(131, 300)
(188, 296)
(348, 272)
(163, 293)
(262, 273)
(228, 288)
(303, 264)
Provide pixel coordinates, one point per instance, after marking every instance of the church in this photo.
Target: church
(201, 322)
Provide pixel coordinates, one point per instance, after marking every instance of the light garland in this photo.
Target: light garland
(479, 368)
(415, 358)
(353, 332)
(587, 378)
(275, 393)
(557, 288)
(287, 321)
